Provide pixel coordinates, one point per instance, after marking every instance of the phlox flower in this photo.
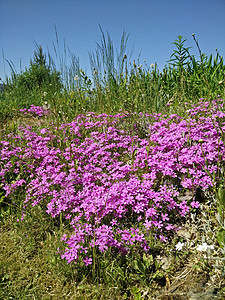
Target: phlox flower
(64, 237)
(148, 224)
(87, 261)
(163, 238)
(165, 217)
(169, 227)
(87, 178)
(113, 222)
(195, 204)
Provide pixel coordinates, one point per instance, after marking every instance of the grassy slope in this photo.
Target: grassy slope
(30, 268)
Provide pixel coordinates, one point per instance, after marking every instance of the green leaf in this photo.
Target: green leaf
(221, 193)
(158, 275)
(141, 267)
(221, 237)
(2, 197)
(136, 293)
(147, 260)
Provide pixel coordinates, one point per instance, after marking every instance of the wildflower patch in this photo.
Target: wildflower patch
(114, 186)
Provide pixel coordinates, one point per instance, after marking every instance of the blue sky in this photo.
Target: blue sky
(152, 26)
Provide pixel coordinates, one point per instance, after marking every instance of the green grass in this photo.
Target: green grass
(30, 267)
(117, 82)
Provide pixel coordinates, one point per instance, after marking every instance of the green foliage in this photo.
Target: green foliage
(135, 292)
(221, 237)
(116, 83)
(38, 83)
(221, 194)
(180, 57)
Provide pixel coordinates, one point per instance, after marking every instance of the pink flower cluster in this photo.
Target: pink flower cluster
(116, 189)
(35, 110)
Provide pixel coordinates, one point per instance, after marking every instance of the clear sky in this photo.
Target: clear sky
(152, 26)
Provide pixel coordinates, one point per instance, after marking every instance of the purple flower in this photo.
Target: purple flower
(114, 189)
(87, 261)
(195, 204)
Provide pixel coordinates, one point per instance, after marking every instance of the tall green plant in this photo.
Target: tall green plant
(105, 61)
(194, 78)
(37, 83)
(109, 70)
(180, 56)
